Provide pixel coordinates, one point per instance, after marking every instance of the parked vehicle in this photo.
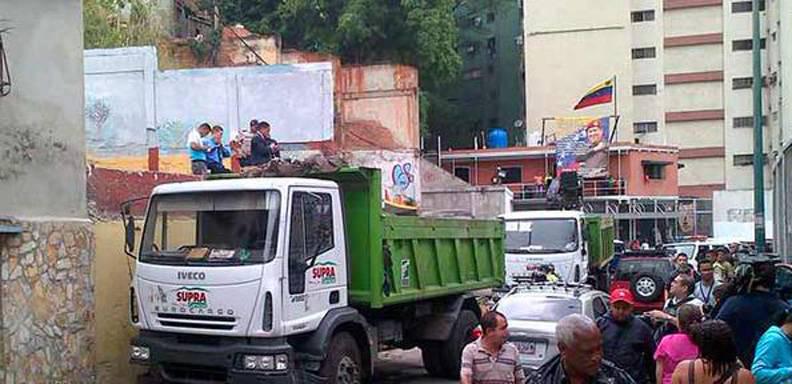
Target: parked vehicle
(572, 242)
(533, 311)
(695, 250)
(645, 274)
(300, 280)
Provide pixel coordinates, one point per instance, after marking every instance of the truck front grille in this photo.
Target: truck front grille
(196, 373)
(217, 323)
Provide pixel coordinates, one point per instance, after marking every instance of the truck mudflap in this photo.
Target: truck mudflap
(184, 358)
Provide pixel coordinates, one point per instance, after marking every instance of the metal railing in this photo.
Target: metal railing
(591, 188)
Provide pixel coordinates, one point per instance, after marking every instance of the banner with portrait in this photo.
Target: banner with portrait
(585, 150)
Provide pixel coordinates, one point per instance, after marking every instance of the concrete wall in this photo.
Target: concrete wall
(733, 215)
(42, 141)
(562, 40)
(127, 97)
(443, 194)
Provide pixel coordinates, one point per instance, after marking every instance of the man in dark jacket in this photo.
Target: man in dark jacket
(263, 147)
(626, 340)
(580, 357)
(749, 313)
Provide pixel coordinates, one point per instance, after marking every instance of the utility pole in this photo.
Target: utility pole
(758, 155)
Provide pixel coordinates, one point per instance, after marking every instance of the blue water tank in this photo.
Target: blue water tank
(497, 138)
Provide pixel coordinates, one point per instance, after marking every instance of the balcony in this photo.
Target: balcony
(591, 188)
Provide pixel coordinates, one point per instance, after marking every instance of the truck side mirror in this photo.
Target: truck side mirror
(129, 229)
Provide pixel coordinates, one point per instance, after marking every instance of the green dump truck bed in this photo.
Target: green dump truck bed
(399, 259)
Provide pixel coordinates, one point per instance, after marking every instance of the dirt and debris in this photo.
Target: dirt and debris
(295, 168)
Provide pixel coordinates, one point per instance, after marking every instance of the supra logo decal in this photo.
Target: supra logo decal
(323, 273)
(192, 297)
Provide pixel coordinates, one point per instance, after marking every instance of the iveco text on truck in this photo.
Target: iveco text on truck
(301, 280)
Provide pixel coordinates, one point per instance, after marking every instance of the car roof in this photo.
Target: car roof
(558, 290)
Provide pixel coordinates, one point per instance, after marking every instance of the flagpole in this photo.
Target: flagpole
(615, 112)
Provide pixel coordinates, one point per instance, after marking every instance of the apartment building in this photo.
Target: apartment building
(683, 72)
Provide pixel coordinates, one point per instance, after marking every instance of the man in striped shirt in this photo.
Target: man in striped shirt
(490, 359)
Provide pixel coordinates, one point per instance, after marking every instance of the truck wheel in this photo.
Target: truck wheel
(343, 364)
(461, 335)
(430, 354)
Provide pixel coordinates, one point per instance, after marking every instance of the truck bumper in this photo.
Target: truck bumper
(182, 358)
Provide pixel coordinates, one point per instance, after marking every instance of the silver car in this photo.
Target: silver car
(533, 311)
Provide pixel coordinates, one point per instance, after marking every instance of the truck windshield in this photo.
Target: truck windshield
(211, 228)
(541, 235)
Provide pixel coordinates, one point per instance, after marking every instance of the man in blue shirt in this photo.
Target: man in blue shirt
(216, 151)
(197, 149)
(773, 361)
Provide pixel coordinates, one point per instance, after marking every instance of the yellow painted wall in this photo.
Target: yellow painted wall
(167, 163)
(113, 330)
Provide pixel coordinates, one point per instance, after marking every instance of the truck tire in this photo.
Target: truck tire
(430, 354)
(343, 364)
(461, 335)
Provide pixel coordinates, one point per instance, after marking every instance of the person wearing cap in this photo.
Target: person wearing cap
(626, 340)
(595, 160)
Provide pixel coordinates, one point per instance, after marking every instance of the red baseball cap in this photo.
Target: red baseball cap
(622, 294)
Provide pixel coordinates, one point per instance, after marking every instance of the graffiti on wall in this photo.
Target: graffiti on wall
(402, 186)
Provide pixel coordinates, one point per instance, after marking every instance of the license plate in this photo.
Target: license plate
(531, 349)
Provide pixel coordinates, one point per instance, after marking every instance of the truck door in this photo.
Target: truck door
(316, 266)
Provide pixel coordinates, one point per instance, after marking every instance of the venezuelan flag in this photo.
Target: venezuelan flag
(601, 93)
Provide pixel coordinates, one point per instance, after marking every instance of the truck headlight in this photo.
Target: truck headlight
(139, 353)
(281, 362)
(266, 362)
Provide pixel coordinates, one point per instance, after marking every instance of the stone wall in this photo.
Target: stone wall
(47, 302)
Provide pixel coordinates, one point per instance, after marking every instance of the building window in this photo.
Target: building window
(641, 16)
(747, 44)
(462, 173)
(645, 127)
(746, 6)
(643, 53)
(647, 89)
(746, 82)
(491, 17)
(475, 21)
(470, 48)
(746, 121)
(513, 175)
(472, 74)
(654, 171)
(491, 46)
(745, 160)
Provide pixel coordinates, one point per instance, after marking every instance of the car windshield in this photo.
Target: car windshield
(629, 268)
(211, 228)
(688, 249)
(532, 308)
(541, 235)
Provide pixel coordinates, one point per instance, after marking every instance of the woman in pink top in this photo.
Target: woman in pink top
(677, 347)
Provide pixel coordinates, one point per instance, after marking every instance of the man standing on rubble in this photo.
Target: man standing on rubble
(263, 148)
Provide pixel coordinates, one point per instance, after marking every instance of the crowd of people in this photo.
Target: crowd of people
(721, 324)
(253, 147)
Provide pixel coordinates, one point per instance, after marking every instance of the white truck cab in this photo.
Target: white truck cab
(535, 238)
(289, 280)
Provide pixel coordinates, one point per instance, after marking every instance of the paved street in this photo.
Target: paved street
(403, 367)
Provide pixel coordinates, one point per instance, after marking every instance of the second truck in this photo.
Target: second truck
(302, 280)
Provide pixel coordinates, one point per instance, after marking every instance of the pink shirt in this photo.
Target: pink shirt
(672, 350)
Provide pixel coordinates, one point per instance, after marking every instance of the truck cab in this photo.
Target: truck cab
(536, 238)
(297, 279)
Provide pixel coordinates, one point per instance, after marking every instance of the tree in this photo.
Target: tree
(421, 33)
(120, 23)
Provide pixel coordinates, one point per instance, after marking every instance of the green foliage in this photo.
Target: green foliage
(120, 23)
(421, 33)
